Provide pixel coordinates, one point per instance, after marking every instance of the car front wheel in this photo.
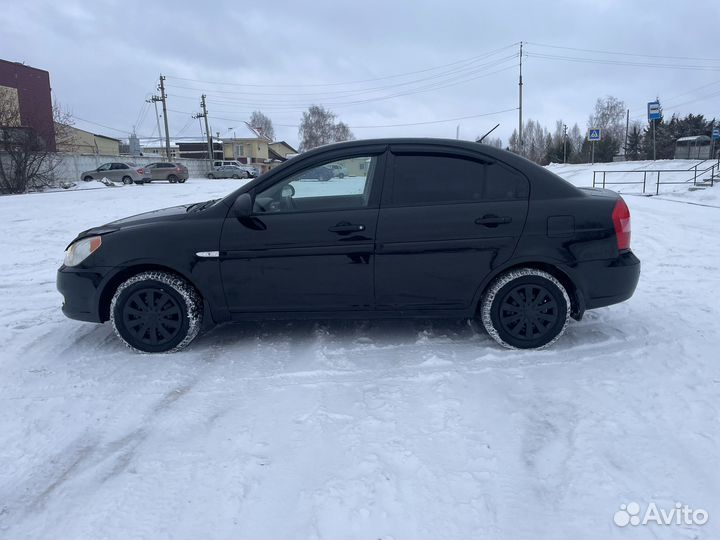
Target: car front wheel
(127, 180)
(525, 309)
(156, 312)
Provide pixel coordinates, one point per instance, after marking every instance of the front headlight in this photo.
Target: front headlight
(81, 250)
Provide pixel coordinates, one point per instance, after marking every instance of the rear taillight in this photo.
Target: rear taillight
(141, 171)
(621, 221)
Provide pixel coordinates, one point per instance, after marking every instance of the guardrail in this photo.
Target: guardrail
(655, 175)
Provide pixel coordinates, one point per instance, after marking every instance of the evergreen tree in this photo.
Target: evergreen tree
(634, 146)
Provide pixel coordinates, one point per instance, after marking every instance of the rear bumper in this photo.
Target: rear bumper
(604, 283)
(80, 290)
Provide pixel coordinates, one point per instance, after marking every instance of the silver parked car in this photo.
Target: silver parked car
(172, 172)
(117, 172)
(228, 171)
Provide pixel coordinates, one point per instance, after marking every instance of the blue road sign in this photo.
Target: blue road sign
(594, 134)
(654, 111)
(716, 134)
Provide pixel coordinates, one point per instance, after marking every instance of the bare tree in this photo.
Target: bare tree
(27, 161)
(263, 125)
(318, 127)
(343, 133)
(494, 141)
(609, 116)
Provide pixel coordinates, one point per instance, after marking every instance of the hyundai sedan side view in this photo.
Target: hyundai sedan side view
(416, 228)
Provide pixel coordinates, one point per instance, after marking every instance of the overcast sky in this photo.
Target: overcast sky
(373, 63)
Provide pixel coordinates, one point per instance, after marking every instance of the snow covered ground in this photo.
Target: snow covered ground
(386, 429)
(627, 177)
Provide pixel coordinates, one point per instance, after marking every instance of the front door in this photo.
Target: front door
(445, 221)
(308, 246)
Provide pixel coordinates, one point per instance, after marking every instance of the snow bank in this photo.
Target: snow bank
(635, 171)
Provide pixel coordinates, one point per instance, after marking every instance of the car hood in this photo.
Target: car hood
(161, 215)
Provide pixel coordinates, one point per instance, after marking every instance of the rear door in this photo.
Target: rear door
(163, 170)
(117, 171)
(308, 247)
(447, 219)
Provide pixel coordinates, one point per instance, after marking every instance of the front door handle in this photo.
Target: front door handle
(346, 228)
(493, 221)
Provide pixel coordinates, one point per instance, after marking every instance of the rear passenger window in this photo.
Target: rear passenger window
(433, 179)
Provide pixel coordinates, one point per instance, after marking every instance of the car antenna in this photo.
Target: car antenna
(480, 139)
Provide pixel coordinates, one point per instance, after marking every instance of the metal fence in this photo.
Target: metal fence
(700, 175)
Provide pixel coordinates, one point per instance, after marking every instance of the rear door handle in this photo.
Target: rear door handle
(346, 228)
(493, 221)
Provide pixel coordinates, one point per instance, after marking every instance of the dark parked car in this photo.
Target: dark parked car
(172, 172)
(434, 228)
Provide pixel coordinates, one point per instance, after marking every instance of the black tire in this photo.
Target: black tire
(211, 176)
(172, 178)
(127, 180)
(341, 175)
(156, 312)
(235, 177)
(88, 178)
(525, 309)
(182, 180)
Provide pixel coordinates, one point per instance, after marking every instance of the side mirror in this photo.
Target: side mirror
(242, 206)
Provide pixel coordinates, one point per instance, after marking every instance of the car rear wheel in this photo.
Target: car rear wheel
(172, 178)
(156, 312)
(88, 178)
(127, 180)
(525, 309)
(211, 176)
(182, 180)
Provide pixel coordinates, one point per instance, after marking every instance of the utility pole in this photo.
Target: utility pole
(204, 114)
(654, 153)
(627, 128)
(457, 132)
(520, 120)
(154, 100)
(564, 143)
(163, 98)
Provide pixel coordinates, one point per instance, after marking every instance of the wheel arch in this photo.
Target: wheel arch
(563, 276)
(107, 292)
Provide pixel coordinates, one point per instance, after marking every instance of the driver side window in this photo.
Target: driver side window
(105, 167)
(344, 183)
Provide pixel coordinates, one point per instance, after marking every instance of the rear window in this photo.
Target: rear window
(433, 179)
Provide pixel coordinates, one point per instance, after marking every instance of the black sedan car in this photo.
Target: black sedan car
(418, 228)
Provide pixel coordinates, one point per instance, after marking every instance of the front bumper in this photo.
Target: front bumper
(81, 292)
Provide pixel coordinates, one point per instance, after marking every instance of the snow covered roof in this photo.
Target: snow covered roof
(694, 138)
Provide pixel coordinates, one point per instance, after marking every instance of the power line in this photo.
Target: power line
(377, 126)
(622, 62)
(302, 105)
(625, 53)
(469, 69)
(309, 85)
